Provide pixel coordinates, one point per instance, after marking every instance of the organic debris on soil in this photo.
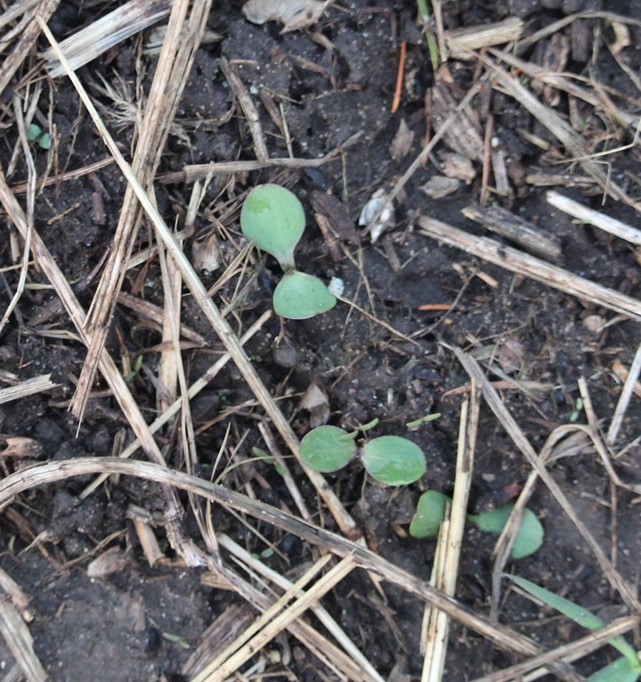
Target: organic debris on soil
(470, 177)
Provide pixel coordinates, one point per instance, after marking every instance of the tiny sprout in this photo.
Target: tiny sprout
(35, 134)
(388, 459)
(430, 513)
(274, 218)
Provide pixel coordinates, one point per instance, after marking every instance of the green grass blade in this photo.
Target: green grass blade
(620, 670)
(581, 616)
(568, 608)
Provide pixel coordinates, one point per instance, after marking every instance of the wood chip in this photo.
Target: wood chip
(463, 135)
(293, 14)
(439, 186)
(112, 29)
(514, 228)
(402, 142)
(461, 41)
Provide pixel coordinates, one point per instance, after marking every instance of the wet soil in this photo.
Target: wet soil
(142, 623)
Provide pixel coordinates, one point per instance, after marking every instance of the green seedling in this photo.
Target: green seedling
(625, 669)
(389, 459)
(430, 513)
(576, 412)
(413, 425)
(424, 21)
(36, 134)
(274, 219)
(133, 372)
(266, 457)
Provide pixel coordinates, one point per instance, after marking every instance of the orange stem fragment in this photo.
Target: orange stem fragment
(435, 306)
(399, 78)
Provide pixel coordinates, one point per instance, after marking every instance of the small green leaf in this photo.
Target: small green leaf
(430, 512)
(299, 296)
(33, 132)
(620, 670)
(393, 460)
(326, 449)
(529, 537)
(45, 141)
(273, 217)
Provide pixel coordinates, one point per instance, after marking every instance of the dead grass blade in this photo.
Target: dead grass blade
(18, 638)
(52, 472)
(568, 653)
(27, 387)
(438, 622)
(17, 8)
(194, 390)
(275, 619)
(524, 264)
(176, 57)
(567, 84)
(195, 172)
(624, 398)
(509, 424)
(101, 35)
(27, 40)
(556, 26)
(596, 218)
(31, 185)
(327, 653)
(506, 539)
(560, 128)
(368, 673)
(10, 589)
(108, 368)
(249, 109)
(461, 40)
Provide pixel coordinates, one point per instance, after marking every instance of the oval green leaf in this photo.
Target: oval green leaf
(393, 460)
(273, 217)
(430, 512)
(327, 448)
(529, 537)
(299, 296)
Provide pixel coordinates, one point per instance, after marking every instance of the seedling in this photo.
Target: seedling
(133, 372)
(274, 219)
(625, 669)
(36, 134)
(430, 512)
(389, 459)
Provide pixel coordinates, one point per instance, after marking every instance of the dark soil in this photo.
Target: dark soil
(141, 623)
